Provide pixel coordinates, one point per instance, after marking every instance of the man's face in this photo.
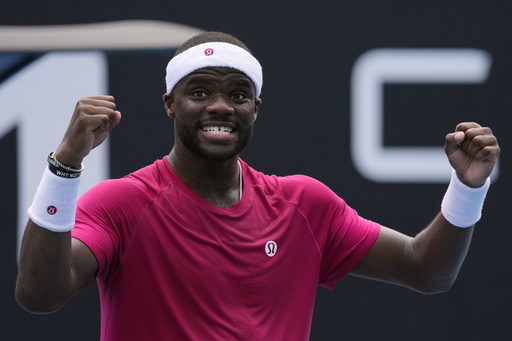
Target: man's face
(214, 111)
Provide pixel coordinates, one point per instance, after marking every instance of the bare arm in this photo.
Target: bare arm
(427, 263)
(54, 266)
(430, 261)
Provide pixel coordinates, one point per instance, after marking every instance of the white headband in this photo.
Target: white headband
(213, 54)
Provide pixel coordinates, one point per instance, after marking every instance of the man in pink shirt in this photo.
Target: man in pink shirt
(200, 246)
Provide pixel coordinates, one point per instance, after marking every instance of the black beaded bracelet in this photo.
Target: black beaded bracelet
(59, 169)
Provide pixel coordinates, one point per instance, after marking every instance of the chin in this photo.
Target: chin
(220, 155)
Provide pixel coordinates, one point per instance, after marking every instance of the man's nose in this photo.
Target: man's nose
(220, 105)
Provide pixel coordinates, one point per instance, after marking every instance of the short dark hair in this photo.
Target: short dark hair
(209, 37)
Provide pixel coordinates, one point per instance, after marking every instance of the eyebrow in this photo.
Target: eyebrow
(243, 82)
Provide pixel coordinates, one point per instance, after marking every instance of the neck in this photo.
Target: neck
(217, 181)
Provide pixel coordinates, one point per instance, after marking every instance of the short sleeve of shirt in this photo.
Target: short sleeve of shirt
(348, 240)
(342, 236)
(105, 215)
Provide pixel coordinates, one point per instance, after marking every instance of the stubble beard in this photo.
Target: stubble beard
(190, 139)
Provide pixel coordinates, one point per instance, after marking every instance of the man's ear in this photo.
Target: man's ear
(257, 102)
(169, 105)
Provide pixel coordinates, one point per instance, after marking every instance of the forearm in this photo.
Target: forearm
(44, 282)
(441, 248)
(439, 251)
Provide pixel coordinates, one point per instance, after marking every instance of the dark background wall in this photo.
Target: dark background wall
(308, 50)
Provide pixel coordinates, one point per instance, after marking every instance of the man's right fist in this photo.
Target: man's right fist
(94, 117)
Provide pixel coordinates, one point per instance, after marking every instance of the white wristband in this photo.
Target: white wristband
(54, 204)
(462, 205)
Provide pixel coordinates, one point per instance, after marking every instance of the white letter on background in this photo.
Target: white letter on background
(377, 67)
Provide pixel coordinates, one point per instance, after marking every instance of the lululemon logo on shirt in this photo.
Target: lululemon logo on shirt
(271, 248)
(51, 210)
(208, 52)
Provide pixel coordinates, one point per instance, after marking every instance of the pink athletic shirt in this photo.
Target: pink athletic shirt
(173, 266)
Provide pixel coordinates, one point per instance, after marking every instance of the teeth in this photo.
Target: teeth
(218, 130)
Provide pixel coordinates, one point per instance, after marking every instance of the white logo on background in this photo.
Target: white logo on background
(41, 122)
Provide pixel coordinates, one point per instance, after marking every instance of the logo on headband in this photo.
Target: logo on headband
(208, 52)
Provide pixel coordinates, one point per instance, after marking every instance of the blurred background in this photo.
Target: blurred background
(322, 62)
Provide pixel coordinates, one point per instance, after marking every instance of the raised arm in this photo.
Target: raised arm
(431, 260)
(53, 266)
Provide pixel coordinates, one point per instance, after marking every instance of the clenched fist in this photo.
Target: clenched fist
(93, 119)
(472, 151)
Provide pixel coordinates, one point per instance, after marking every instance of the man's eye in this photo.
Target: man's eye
(198, 93)
(239, 95)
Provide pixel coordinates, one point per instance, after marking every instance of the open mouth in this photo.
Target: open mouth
(218, 130)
